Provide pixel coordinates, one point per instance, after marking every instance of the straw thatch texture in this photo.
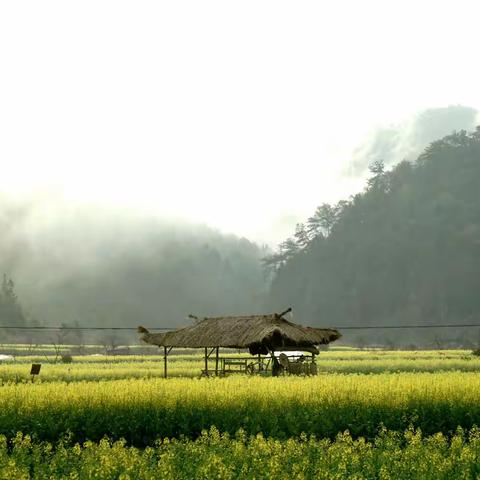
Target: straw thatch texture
(258, 333)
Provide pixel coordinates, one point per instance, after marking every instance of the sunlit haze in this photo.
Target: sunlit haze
(241, 115)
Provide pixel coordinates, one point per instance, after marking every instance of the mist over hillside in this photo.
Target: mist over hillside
(403, 251)
(406, 140)
(109, 267)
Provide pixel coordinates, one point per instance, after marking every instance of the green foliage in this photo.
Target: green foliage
(391, 455)
(66, 358)
(405, 250)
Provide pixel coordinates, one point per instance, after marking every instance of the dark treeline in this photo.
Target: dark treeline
(404, 251)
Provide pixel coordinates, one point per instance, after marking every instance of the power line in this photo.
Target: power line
(13, 327)
(382, 327)
(346, 327)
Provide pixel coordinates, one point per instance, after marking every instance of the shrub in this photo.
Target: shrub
(66, 358)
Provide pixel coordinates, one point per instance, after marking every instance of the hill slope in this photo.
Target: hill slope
(406, 250)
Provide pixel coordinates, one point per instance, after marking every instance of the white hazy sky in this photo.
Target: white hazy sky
(238, 114)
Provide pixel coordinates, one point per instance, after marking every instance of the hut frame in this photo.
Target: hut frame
(260, 334)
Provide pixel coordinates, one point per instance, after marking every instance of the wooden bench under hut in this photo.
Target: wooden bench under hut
(262, 335)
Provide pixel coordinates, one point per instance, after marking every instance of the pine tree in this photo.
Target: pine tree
(10, 310)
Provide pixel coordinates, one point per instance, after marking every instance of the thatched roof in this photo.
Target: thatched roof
(258, 333)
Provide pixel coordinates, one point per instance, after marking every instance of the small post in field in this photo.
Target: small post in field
(35, 370)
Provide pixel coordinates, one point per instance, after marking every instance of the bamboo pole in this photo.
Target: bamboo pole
(216, 362)
(206, 361)
(165, 354)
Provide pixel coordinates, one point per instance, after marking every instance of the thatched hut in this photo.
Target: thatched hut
(260, 334)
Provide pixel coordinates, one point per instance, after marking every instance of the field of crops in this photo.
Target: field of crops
(407, 455)
(102, 367)
(109, 417)
(143, 410)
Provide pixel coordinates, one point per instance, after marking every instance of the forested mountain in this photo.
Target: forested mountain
(406, 250)
(110, 268)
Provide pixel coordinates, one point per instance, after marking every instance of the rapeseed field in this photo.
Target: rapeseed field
(368, 414)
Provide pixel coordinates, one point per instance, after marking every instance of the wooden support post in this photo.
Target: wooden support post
(206, 361)
(259, 363)
(211, 351)
(216, 362)
(165, 355)
(276, 368)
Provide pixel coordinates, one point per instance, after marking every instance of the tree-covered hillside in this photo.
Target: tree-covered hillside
(405, 250)
(110, 268)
